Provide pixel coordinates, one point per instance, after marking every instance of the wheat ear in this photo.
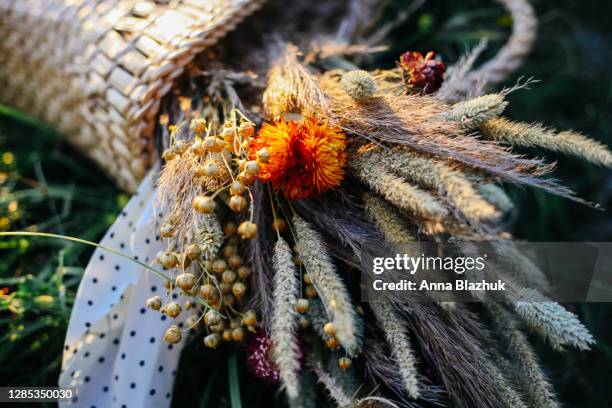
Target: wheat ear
(284, 318)
(328, 283)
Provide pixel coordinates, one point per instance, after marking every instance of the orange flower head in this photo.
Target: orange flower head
(306, 157)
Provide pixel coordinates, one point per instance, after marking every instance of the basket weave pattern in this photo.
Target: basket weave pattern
(98, 69)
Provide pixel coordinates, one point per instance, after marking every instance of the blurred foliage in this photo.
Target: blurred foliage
(47, 186)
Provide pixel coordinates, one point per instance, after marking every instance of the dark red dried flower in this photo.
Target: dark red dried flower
(423, 74)
(259, 358)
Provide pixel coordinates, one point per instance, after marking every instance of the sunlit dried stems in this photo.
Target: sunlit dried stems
(399, 342)
(534, 135)
(532, 379)
(284, 318)
(328, 283)
(384, 216)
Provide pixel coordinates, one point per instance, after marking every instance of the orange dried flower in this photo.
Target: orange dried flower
(306, 157)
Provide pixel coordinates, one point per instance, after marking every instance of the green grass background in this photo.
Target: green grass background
(46, 185)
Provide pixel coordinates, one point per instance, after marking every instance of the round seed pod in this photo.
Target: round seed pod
(167, 230)
(279, 225)
(236, 188)
(212, 340)
(228, 276)
(229, 229)
(192, 321)
(304, 322)
(208, 291)
(207, 264)
(218, 328)
(233, 240)
(211, 318)
(250, 318)
(246, 178)
(168, 155)
(234, 261)
(344, 363)
(193, 251)
(198, 148)
(227, 335)
(188, 305)
(225, 288)
(173, 309)
(198, 125)
(252, 168)
(263, 156)
(234, 323)
(239, 289)
(246, 129)
(332, 343)
(212, 144)
(310, 291)
(244, 272)
(219, 265)
(186, 281)
(155, 303)
(237, 203)
(238, 334)
(329, 329)
(169, 260)
(167, 284)
(229, 300)
(180, 147)
(212, 170)
(302, 305)
(204, 204)
(230, 250)
(173, 334)
(307, 279)
(247, 230)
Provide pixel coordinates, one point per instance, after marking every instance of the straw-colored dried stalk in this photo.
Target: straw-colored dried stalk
(532, 379)
(386, 219)
(399, 342)
(474, 112)
(329, 285)
(534, 135)
(284, 318)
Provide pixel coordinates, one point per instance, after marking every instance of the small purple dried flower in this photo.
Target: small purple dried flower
(423, 74)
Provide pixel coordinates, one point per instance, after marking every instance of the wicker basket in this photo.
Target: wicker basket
(98, 69)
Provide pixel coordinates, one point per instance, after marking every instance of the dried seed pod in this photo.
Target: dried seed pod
(218, 328)
(230, 250)
(239, 289)
(192, 322)
(167, 230)
(310, 291)
(250, 318)
(188, 305)
(252, 168)
(344, 362)
(234, 261)
(211, 318)
(173, 334)
(227, 335)
(211, 169)
(155, 303)
(198, 148)
(332, 343)
(208, 291)
(236, 188)
(204, 204)
(263, 156)
(234, 323)
(302, 306)
(168, 155)
(304, 322)
(238, 334)
(237, 203)
(246, 129)
(212, 144)
(180, 147)
(307, 279)
(228, 276)
(229, 229)
(169, 260)
(329, 329)
(359, 85)
(244, 272)
(198, 125)
(193, 251)
(173, 309)
(186, 281)
(247, 230)
(229, 299)
(219, 265)
(225, 288)
(212, 340)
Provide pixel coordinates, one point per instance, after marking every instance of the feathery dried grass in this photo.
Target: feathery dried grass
(534, 135)
(439, 177)
(532, 379)
(397, 337)
(284, 318)
(474, 112)
(329, 284)
(496, 196)
(515, 261)
(559, 326)
(292, 88)
(511, 396)
(385, 218)
(335, 391)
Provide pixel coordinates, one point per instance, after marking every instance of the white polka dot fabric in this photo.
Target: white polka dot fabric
(114, 353)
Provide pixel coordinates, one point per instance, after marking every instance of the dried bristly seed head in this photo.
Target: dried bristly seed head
(244, 272)
(237, 203)
(168, 260)
(228, 276)
(250, 318)
(329, 329)
(230, 229)
(212, 340)
(234, 261)
(304, 322)
(247, 230)
(239, 290)
(168, 155)
(230, 250)
(219, 265)
(263, 155)
(193, 251)
(238, 334)
(173, 309)
(252, 168)
(173, 334)
(208, 291)
(211, 318)
(359, 85)
(279, 225)
(302, 305)
(229, 299)
(344, 363)
(203, 204)
(155, 303)
(167, 230)
(198, 125)
(332, 343)
(236, 188)
(211, 169)
(186, 281)
(310, 291)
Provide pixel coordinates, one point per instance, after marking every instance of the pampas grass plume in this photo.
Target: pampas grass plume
(284, 318)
